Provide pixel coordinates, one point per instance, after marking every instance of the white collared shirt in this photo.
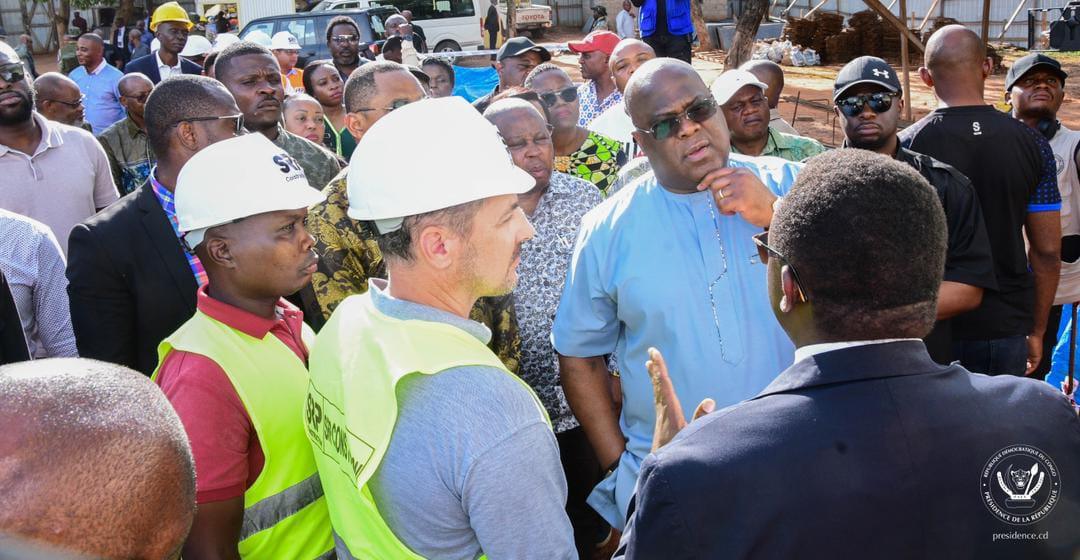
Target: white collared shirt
(98, 68)
(165, 70)
(811, 350)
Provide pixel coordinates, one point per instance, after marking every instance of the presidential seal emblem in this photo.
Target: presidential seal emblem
(1020, 484)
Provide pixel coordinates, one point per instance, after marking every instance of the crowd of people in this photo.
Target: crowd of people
(256, 311)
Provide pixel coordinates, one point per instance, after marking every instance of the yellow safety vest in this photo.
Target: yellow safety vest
(356, 363)
(285, 513)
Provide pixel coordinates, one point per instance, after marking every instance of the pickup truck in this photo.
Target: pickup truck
(530, 17)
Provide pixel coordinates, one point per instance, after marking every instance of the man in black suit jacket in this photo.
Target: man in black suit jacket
(119, 41)
(131, 283)
(864, 448)
(172, 32)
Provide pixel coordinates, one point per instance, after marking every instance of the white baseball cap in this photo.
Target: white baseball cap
(237, 178)
(258, 37)
(223, 40)
(732, 81)
(464, 160)
(197, 45)
(285, 41)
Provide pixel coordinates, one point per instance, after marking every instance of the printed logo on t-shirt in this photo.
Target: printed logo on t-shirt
(976, 130)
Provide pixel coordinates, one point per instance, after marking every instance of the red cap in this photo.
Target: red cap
(604, 41)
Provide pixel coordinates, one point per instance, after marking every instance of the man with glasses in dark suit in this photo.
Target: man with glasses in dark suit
(131, 283)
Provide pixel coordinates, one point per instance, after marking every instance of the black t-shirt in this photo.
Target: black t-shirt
(1013, 172)
(968, 258)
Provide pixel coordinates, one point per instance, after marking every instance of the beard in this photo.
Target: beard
(480, 286)
(20, 113)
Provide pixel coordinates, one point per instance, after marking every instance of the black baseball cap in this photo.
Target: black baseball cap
(1030, 62)
(866, 70)
(519, 46)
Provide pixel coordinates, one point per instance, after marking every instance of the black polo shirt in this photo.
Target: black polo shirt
(968, 259)
(1013, 172)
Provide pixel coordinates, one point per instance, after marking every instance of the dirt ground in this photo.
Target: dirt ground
(806, 101)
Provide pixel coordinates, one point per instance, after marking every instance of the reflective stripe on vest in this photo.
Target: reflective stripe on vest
(285, 513)
(356, 363)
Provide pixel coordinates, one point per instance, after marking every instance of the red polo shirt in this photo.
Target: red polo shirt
(228, 457)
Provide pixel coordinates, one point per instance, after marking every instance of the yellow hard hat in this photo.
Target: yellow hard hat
(169, 11)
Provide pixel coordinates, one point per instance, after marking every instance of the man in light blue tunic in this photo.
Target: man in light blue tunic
(669, 263)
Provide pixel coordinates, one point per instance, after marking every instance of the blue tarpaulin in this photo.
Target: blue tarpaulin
(472, 83)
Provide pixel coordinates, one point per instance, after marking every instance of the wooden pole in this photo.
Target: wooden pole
(986, 21)
(892, 20)
(928, 13)
(1016, 12)
(905, 68)
(891, 4)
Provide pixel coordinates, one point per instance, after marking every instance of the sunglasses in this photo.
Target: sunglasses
(139, 98)
(699, 112)
(12, 73)
(550, 99)
(239, 121)
(68, 103)
(879, 103)
(765, 251)
(397, 104)
(345, 39)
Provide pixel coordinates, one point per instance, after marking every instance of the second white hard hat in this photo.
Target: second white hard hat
(464, 159)
(237, 178)
(283, 40)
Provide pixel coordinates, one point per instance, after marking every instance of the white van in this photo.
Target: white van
(449, 25)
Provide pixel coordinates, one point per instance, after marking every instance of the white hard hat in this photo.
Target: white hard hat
(258, 37)
(197, 45)
(237, 178)
(223, 40)
(155, 45)
(283, 40)
(464, 160)
(732, 81)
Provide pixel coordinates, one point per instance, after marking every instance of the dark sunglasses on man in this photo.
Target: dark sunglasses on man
(550, 99)
(698, 111)
(765, 251)
(12, 73)
(879, 103)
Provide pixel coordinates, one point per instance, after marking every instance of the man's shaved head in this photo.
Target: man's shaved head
(626, 58)
(131, 81)
(95, 460)
(772, 74)
(54, 84)
(649, 78)
(955, 63)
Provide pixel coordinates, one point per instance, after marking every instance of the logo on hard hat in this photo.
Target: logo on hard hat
(286, 164)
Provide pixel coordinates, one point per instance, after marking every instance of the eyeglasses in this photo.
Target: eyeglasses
(68, 103)
(397, 104)
(239, 121)
(879, 103)
(738, 108)
(699, 112)
(339, 39)
(765, 251)
(549, 99)
(12, 73)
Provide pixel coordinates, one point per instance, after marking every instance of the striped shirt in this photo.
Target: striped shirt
(168, 204)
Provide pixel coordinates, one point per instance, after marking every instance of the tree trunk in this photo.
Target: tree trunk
(60, 18)
(742, 47)
(511, 18)
(704, 39)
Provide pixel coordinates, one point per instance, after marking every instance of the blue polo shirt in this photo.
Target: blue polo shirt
(655, 268)
(102, 95)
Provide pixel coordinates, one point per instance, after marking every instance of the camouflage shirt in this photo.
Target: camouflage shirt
(788, 146)
(349, 256)
(129, 154)
(319, 164)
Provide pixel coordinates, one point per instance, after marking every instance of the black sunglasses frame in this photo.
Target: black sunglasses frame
(12, 73)
(551, 98)
(698, 111)
(879, 102)
(765, 251)
(239, 121)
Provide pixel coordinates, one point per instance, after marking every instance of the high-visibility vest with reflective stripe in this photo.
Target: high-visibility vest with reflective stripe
(285, 513)
(356, 363)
